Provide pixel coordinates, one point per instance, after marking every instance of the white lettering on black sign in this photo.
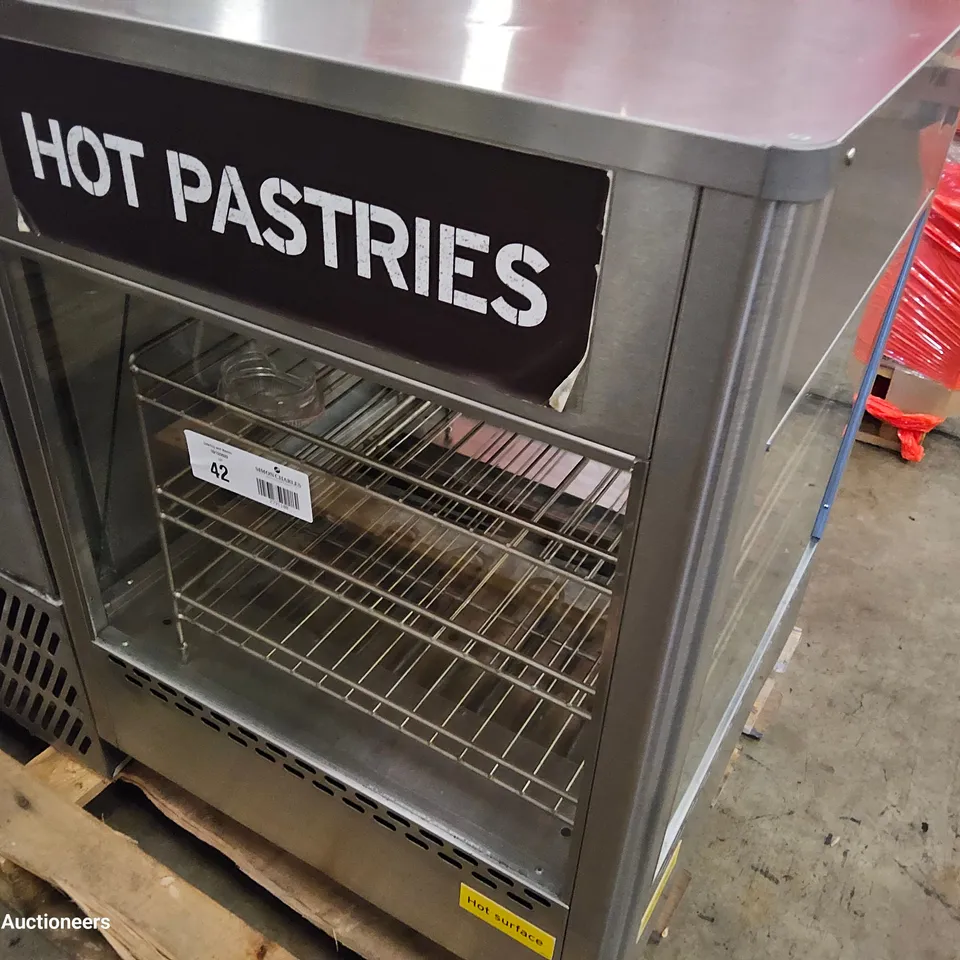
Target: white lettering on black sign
(232, 206)
(466, 256)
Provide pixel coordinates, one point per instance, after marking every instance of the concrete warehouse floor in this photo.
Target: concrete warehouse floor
(865, 746)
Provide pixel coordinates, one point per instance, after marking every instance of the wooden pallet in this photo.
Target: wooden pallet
(912, 394)
(54, 843)
(875, 432)
(50, 847)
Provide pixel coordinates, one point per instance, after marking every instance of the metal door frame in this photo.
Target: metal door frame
(46, 491)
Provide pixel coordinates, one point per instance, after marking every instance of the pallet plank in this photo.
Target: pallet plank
(31, 896)
(68, 777)
(154, 914)
(768, 700)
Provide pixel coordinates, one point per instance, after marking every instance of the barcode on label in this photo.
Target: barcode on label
(281, 495)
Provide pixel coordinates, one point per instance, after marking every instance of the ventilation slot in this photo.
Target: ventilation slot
(12, 612)
(42, 628)
(40, 685)
(520, 900)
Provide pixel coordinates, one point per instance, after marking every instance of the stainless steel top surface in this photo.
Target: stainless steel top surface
(789, 73)
(749, 96)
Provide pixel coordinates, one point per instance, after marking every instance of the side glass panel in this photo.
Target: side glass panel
(792, 478)
(21, 551)
(85, 331)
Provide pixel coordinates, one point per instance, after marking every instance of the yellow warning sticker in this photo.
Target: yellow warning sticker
(506, 921)
(657, 893)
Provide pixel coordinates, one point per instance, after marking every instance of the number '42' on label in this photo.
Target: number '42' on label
(256, 478)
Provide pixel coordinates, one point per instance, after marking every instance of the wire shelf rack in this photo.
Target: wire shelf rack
(455, 581)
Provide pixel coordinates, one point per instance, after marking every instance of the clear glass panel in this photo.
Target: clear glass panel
(788, 493)
(86, 331)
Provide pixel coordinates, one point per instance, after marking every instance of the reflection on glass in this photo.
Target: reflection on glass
(86, 331)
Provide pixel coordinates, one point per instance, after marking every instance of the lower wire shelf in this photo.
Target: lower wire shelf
(511, 708)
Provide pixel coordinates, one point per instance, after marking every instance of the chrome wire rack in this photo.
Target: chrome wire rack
(454, 583)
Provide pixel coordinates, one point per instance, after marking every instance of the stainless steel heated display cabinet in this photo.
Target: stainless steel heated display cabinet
(435, 403)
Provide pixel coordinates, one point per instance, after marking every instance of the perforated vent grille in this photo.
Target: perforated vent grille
(470, 869)
(39, 678)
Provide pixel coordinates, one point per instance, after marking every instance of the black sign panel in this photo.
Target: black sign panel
(472, 258)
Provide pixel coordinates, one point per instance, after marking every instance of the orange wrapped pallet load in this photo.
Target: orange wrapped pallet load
(926, 332)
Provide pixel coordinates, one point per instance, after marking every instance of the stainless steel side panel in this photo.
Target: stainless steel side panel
(738, 308)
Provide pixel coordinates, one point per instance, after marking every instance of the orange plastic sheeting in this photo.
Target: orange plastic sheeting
(911, 427)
